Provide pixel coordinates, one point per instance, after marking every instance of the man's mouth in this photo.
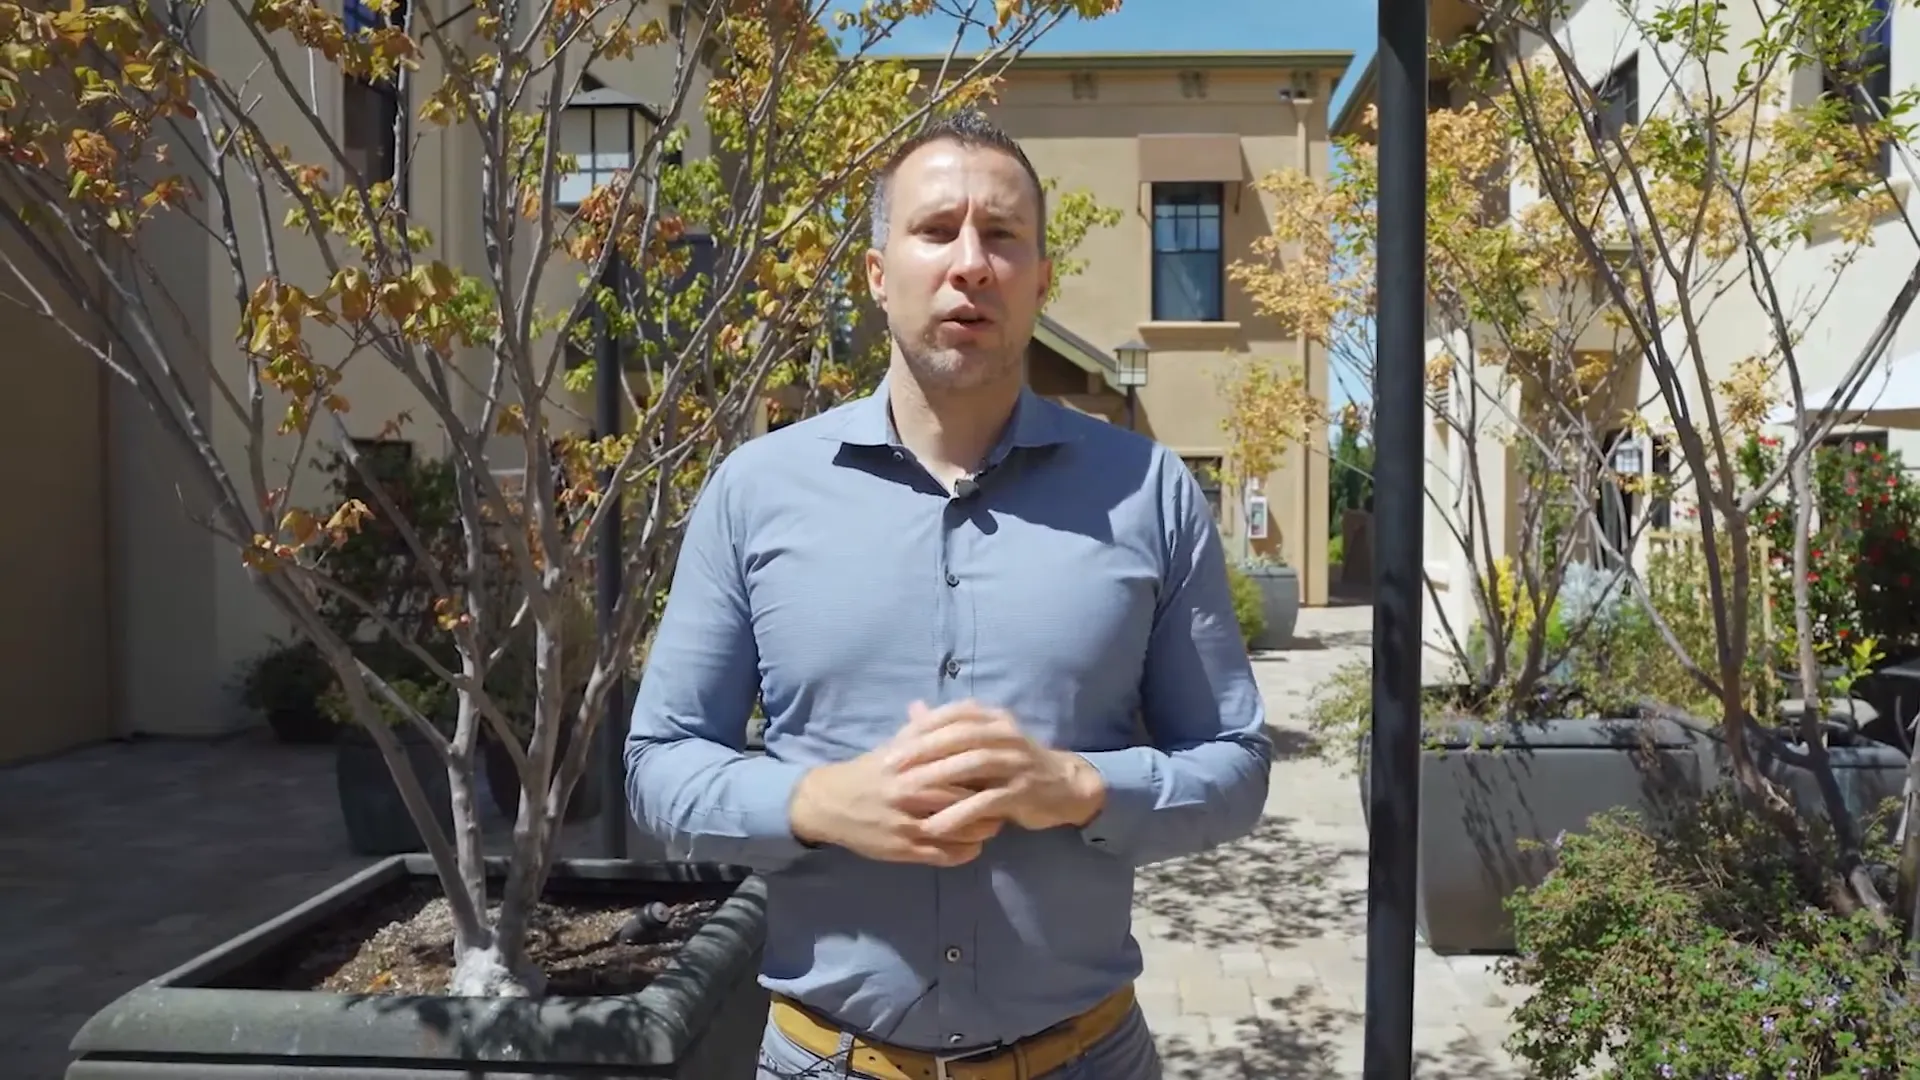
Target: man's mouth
(966, 318)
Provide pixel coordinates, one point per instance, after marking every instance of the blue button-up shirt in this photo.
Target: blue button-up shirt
(1081, 586)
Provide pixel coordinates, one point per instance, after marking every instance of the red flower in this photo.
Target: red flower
(1813, 577)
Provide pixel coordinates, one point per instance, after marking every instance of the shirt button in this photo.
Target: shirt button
(953, 578)
(898, 456)
(953, 954)
(953, 1040)
(953, 668)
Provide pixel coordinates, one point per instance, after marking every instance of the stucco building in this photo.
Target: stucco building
(1175, 141)
(126, 616)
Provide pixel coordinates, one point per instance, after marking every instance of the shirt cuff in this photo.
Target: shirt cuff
(765, 815)
(1129, 777)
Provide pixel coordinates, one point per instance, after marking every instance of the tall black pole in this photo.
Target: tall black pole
(607, 421)
(1399, 426)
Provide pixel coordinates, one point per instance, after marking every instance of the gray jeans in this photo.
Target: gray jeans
(1127, 1053)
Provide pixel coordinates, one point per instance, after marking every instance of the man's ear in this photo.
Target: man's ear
(1046, 280)
(877, 276)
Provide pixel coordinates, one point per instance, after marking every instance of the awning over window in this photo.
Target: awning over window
(1178, 159)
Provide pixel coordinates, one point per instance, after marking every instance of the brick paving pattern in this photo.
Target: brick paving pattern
(122, 861)
(1256, 952)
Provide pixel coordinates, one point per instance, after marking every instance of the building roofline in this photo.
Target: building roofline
(1244, 60)
(1365, 88)
(1077, 350)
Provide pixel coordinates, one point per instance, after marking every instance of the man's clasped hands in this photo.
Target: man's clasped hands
(942, 786)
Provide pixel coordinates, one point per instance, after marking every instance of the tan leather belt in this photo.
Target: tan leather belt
(1034, 1056)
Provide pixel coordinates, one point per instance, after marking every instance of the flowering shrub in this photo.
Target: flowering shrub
(1864, 552)
(1700, 948)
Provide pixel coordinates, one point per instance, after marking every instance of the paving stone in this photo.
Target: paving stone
(1293, 896)
(1189, 964)
(1215, 995)
(1251, 962)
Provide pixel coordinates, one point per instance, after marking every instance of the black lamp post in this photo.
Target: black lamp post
(598, 128)
(1400, 323)
(1132, 374)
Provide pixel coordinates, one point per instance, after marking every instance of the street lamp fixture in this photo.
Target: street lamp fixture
(1130, 371)
(600, 129)
(1627, 457)
(1132, 359)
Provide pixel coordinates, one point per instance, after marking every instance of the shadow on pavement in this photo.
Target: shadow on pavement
(1241, 882)
(1303, 1039)
(1289, 743)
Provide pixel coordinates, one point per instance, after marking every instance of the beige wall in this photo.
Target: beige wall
(1079, 122)
(55, 666)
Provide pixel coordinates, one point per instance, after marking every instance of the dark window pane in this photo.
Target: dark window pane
(1186, 287)
(370, 115)
(1187, 262)
(1163, 229)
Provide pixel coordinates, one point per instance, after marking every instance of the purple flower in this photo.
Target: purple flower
(1766, 1024)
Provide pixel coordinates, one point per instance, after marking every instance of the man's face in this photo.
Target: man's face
(961, 278)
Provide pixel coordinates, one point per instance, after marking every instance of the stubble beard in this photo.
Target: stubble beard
(941, 369)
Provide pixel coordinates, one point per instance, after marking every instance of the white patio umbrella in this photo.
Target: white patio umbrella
(1889, 397)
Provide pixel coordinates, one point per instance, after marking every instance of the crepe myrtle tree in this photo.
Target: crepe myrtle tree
(122, 136)
(1689, 214)
(1521, 389)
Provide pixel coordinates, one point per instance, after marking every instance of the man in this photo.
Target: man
(959, 604)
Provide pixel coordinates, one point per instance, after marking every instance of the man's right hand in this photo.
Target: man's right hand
(864, 806)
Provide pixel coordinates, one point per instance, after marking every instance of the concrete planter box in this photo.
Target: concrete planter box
(1279, 602)
(1487, 788)
(1868, 774)
(700, 1019)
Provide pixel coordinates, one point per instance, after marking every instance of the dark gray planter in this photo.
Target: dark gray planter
(1487, 789)
(1868, 773)
(700, 1019)
(1279, 603)
(376, 817)
(503, 781)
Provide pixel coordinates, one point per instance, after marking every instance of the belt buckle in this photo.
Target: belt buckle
(941, 1061)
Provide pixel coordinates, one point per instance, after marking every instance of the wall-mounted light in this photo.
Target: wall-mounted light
(1132, 361)
(1628, 457)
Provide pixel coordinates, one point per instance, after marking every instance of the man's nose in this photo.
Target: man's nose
(970, 265)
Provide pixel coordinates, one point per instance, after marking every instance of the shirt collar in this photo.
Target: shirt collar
(869, 422)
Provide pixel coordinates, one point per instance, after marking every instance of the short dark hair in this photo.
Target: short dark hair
(970, 129)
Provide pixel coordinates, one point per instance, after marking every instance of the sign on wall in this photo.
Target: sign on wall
(1257, 517)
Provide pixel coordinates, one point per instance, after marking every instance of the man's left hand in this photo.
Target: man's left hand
(1013, 777)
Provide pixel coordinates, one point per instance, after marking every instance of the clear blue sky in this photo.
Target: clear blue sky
(1192, 25)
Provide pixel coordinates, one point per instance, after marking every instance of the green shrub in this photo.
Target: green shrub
(1702, 947)
(1246, 605)
(1337, 549)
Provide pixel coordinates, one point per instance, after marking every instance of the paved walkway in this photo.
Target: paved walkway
(1256, 952)
(123, 860)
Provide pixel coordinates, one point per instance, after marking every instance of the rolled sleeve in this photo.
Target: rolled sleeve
(690, 782)
(1203, 781)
